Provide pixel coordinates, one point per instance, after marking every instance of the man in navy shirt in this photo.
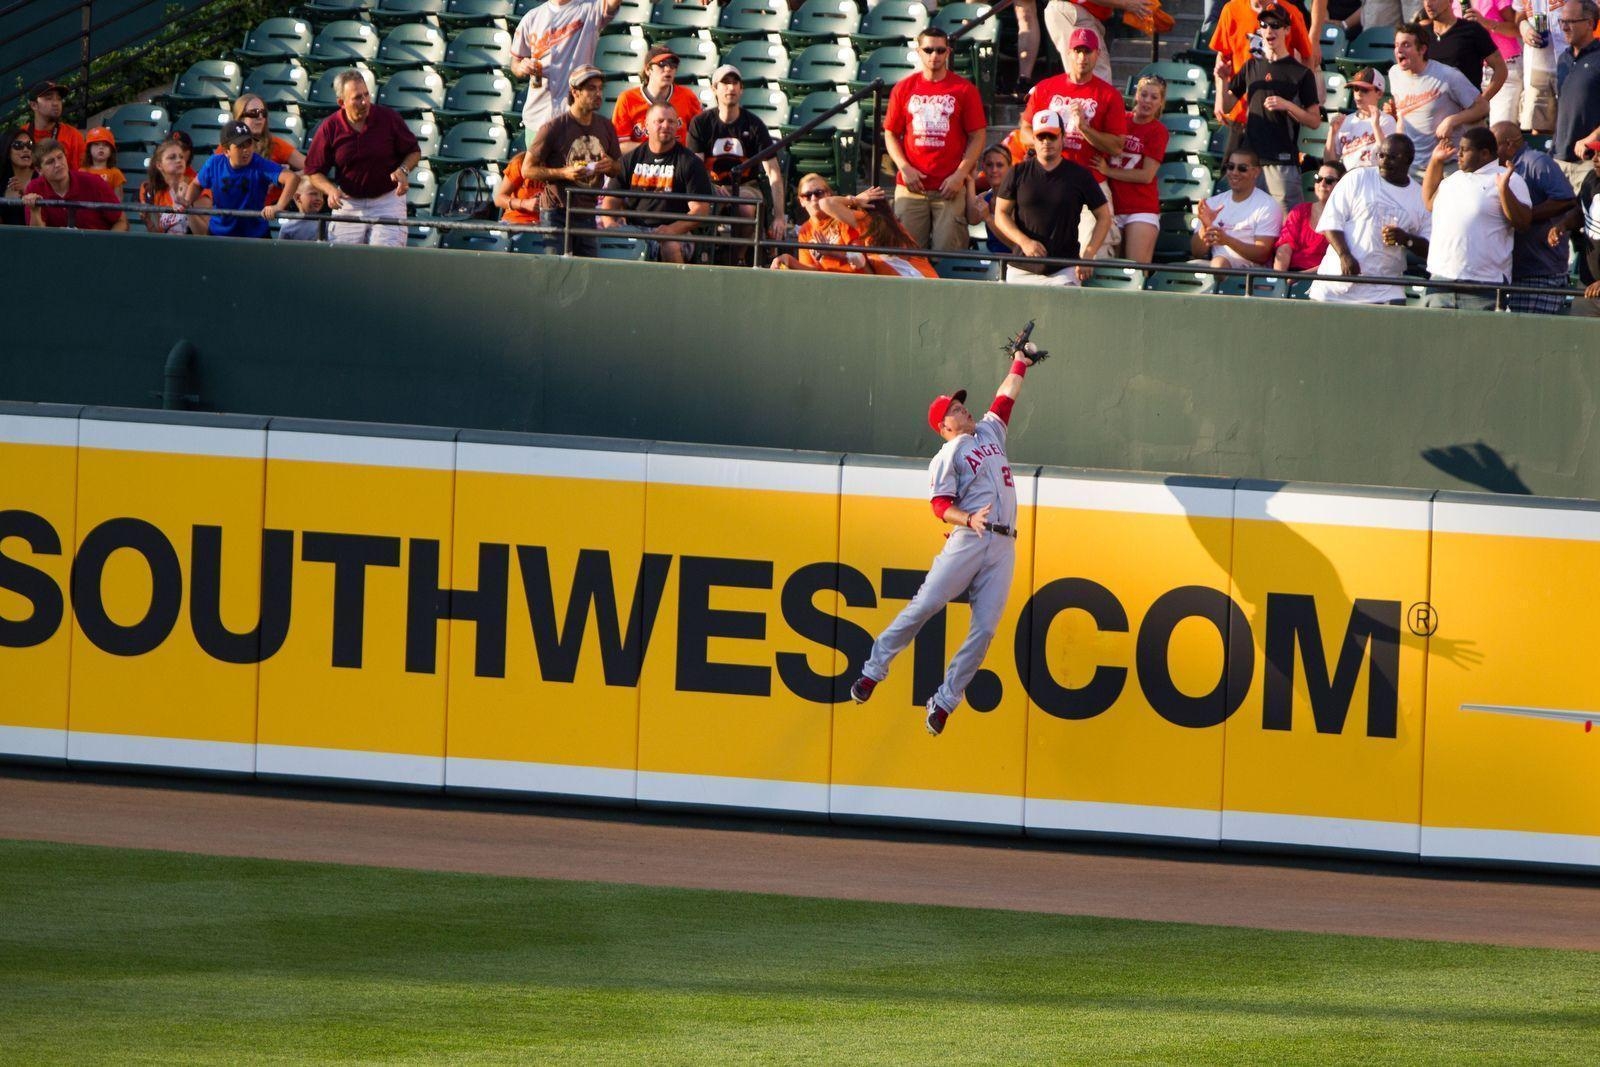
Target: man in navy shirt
(1534, 260)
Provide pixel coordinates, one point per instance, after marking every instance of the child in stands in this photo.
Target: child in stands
(100, 159)
(308, 200)
(239, 180)
(165, 185)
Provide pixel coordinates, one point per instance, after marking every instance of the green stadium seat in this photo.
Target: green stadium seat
(322, 100)
(1172, 241)
(476, 240)
(1300, 289)
(1372, 47)
(619, 247)
(412, 92)
(1183, 183)
(1336, 86)
(770, 104)
(1178, 281)
(968, 270)
(536, 244)
(343, 43)
(426, 131)
(1334, 41)
(138, 125)
(679, 18)
(1187, 83)
(337, 9)
(813, 104)
(206, 82)
(390, 12)
(821, 66)
(421, 235)
(409, 46)
(759, 62)
(1313, 142)
(471, 144)
(620, 56)
(203, 125)
(891, 63)
(630, 19)
(421, 187)
(287, 82)
(1127, 278)
(276, 38)
(287, 122)
(1188, 136)
(478, 48)
(891, 22)
(522, 7)
(1200, 51)
(748, 20)
(822, 20)
(477, 12)
(697, 57)
(482, 94)
(1271, 288)
(1217, 146)
(615, 87)
(952, 17)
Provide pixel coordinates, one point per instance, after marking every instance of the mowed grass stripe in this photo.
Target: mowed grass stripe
(109, 954)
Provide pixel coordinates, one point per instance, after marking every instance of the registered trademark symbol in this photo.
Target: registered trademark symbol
(1422, 619)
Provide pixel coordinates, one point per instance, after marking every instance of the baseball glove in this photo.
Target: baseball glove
(1021, 343)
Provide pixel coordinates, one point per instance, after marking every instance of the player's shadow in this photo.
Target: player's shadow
(1478, 464)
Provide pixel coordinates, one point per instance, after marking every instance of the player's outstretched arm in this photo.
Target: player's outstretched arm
(1021, 360)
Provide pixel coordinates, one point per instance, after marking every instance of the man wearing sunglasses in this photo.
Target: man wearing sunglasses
(553, 40)
(1239, 227)
(658, 85)
(1039, 203)
(1577, 89)
(1280, 96)
(934, 129)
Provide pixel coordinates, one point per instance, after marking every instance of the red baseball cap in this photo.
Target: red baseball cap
(1084, 39)
(940, 405)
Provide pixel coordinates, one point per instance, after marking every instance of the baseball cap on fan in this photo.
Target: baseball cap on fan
(583, 74)
(237, 133)
(1275, 16)
(1368, 79)
(941, 404)
(724, 72)
(1083, 39)
(1047, 120)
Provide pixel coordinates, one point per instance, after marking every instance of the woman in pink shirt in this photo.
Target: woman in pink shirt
(1500, 18)
(1300, 247)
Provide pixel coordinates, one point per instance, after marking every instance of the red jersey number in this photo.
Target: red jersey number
(1005, 473)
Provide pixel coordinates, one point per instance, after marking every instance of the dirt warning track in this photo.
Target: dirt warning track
(694, 852)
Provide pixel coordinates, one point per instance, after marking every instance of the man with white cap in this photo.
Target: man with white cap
(576, 148)
(728, 136)
(550, 42)
(1353, 138)
(1038, 204)
(1094, 119)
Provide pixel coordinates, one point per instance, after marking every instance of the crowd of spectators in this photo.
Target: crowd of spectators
(1431, 169)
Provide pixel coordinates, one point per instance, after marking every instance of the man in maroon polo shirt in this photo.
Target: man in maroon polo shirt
(57, 180)
(370, 152)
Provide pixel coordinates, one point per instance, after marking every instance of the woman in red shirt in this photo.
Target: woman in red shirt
(1131, 173)
(1300, 247)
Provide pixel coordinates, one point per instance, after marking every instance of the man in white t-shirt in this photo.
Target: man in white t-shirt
(1238, 228)
(1475, 213)
(1433, 101)
(552, 41)
(1373, 217)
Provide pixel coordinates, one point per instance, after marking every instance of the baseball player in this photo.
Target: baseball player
(972, 489)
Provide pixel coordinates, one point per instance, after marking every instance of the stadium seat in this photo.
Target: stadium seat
(615, 87)
(409, 46)
(522, 7)
(473, 143)
(1172, 242)
(749, 20)
(1334, 41)
(1127, 278)
(770, 104)
(476, 240)
(1300, 289)
(337, 9)
(1337, 91)
(426, 131)
(620, 55)
(421, 187)
(822, 20)
(463, 193)
(209, 81)
(1188, 136)
(204, 127)
(411, 92)
(343, 43)
(951, 17)
(482, 94)
(287, 122)
(1177, 281)
(678, 18)
(1181, 184)
(138, 125)
(1271, 288)
(287, 82)
(697, 57)
(891, 22)
(420, 235)
(891, 63)
(390, 12)
(536, 244)
(322, 101)
(1187, 83)
(968, 270)
(477, 12)
(1313, 142)
(821, 66)
(759, 62)
(630, 19)
(478, 48)
(618, 247)
(1372, 47)
(276, 38)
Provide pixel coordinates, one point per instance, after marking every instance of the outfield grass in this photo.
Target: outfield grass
(107, 955)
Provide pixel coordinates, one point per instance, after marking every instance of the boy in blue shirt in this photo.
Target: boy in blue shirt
(239, 180)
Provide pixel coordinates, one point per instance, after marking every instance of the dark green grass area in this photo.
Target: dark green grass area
(112, 955)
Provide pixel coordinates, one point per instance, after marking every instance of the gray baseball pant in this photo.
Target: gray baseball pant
(978, 566)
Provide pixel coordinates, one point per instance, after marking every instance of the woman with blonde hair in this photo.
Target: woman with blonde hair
(1131, 173)
(871, 214)
(821, 228)
(251, 110)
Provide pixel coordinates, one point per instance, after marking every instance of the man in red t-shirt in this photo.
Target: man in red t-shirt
(934, 131)
(1092, 114)
(58, 181)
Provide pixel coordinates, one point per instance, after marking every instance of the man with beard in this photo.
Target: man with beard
(577, 148)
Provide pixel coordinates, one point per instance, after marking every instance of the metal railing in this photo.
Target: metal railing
(763, 247)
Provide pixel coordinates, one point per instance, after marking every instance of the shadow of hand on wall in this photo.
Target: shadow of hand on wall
(1479, 465)
(1458, 651)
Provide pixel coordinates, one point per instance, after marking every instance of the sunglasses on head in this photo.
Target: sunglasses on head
(934, 51)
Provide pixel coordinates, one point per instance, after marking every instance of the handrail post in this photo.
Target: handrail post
(755, 234)
(86, 20)
(877, 131)
(566, 219)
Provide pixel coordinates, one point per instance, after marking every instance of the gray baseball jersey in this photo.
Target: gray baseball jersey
(974, 470)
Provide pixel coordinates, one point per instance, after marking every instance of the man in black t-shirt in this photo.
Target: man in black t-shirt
(1038, 206)
(727, 136)
(1463, 44)
(661, 165)
(1281, 98)
(1584, 223)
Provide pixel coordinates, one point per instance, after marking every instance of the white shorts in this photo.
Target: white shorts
(1147, 217)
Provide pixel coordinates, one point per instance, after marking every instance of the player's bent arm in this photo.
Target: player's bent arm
(944, 507)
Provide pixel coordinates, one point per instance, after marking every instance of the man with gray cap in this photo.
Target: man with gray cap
(728, 136)
(575, 148)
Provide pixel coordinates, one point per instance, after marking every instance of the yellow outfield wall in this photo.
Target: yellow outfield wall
(1195, 660)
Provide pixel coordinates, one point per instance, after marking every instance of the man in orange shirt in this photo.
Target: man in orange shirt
(1237, 40)
(45, 101)
(659, 86)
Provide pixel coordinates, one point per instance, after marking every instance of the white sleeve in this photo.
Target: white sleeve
(1271, 216)
(1333, 217)
(942, 475)
(1461, 89)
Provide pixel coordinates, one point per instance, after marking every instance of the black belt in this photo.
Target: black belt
(1003, 531)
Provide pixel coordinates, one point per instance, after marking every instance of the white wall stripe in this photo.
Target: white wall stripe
(905, 482)
(1558, 714)
(551, 462)
(1442, 842)
(461, 772)
(1559, 524)
(1141, 820)
(34, 741)
(718, 472)
(172, 438)
(1368, 835)
(38, 430)
(361, 451)
(1145, 498)
(933, 805)
(396, 767)
(1332, 509)
(235, 756)
(770, 795)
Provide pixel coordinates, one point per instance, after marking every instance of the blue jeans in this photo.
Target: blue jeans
(580, 244)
